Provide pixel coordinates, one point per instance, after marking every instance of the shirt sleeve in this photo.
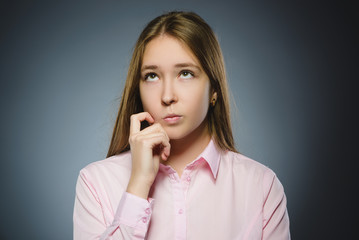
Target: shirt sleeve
(275, 214)
(130, 221)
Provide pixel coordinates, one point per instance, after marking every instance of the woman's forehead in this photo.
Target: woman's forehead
(168, 50)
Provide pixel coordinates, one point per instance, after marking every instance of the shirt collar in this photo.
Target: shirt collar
(212, 156)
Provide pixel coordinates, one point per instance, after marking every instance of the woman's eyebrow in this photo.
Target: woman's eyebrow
(149, 67)
(184, 65)
(178, 65)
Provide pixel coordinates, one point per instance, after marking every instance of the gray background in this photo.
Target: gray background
(63, 66)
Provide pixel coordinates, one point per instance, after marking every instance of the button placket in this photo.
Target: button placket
(178, 185)
(185, 181)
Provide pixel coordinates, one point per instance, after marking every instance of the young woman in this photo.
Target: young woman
(172, 171)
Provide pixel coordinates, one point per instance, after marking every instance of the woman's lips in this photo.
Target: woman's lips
(172, 118)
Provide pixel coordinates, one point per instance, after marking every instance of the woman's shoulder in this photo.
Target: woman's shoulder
(106, 179)
(118, 164)
(240, 162)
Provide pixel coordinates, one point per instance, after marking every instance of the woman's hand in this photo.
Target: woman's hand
(148, 147)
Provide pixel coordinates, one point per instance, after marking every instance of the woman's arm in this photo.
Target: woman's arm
(130, 221)
(275, 215)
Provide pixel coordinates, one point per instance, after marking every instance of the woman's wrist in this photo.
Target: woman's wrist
(138, 187)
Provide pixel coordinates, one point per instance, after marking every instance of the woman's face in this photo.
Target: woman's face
(174, 89)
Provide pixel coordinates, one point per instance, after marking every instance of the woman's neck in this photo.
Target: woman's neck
(185, 150)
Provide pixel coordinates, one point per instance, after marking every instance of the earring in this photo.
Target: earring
(213, 102)
(214, 99)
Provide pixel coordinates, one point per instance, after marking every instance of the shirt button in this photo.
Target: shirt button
(147, 211)
(180, 211)
(144, 219)
(188, 179)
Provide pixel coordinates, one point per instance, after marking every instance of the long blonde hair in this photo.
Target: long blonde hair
(193, 31)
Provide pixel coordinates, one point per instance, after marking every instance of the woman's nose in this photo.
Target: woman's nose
(168, 93)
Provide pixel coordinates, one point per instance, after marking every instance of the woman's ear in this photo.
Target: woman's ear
(214, 99)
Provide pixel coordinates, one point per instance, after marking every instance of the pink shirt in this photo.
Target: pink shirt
(220, 195)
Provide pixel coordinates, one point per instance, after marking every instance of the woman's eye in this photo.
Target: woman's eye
(151, 77)
(186, 74)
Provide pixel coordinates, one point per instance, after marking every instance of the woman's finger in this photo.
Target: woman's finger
(159, 129)
(156, 141)
(136, 120)
(155, 128)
